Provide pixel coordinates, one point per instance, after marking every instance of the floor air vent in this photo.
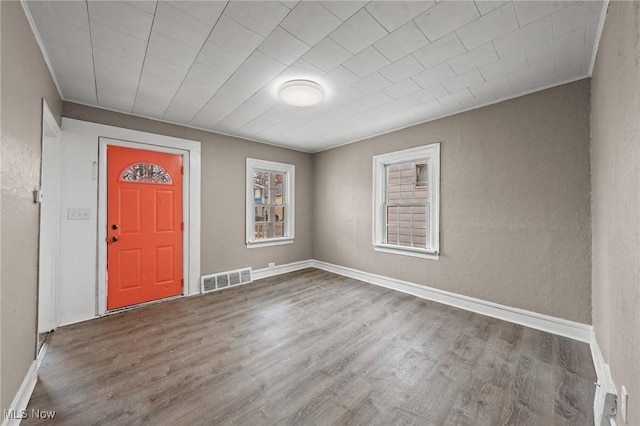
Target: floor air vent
(225, 279)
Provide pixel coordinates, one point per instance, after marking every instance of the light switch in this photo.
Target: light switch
(78, 214)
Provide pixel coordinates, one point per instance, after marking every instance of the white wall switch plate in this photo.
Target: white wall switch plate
(272, 264)
(78, 214)
(624, 403)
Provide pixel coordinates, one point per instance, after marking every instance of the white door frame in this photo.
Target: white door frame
(49, 221)
(191, 201)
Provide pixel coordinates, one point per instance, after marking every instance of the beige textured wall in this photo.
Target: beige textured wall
(615, 151)
(25, 81)
(515, 194)
(223, 191)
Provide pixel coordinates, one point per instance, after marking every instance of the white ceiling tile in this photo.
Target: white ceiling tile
(461, 99)
(283, 47)
(106, 60)
(576, 16)
(434, 75)
(301, 70)
(215, 111)
(206, 11)
(486, 6)
(117, 42)
(253, 74)
(310, 22)
(156, 88)
(189, 99)
(252, 108)
(404, 68)
(496, 88)
(290, 3)
(400, 104)
(75, 73)
(70, 12)
(530, 11)
(533, 34)
(371, 84)
(179, 26)
(445, 17)
(463, 81)
(262, 123)
(440, 51)
(217, 58)
(475, 58)
(558, 47)
(393, 14)
(343, 9)
(340, 77)
(259, 16)
(327, 55)
(163, 69)
(150, 104)
(402, 89)
(430, 93)
(234, 37)
(211, 78)
(358, 32)
(122, 17)
(524, 76)
(376, 99)
(503, 66)
(489, 27)
(148, 6)
(366, 62)
(116, 90)
(53, 31)
(426, 110)
(401, 42)
(170, 50)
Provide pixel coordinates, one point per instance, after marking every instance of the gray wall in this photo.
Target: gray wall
(223, 191)
(25, 81)
(515, 197)
(615, 148)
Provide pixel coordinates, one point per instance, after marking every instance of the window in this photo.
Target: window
(406, 187)
(270, 203)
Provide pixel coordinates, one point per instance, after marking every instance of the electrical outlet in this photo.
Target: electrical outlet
(272, 264)
(78, 214)
(624, 404)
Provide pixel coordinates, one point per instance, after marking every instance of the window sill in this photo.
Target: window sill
(268, 243)
(406, 252)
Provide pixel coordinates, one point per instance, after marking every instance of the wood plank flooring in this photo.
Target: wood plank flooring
(311, 348)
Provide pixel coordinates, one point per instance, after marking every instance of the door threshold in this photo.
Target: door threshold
(141, 305)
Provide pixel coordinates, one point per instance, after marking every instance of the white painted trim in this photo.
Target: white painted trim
(429, 152)
(596, 44)
(289, 170)
(258, 274)
(36, 34)
(559, 326)
(604, 383)
(193, 171)
(21, 400)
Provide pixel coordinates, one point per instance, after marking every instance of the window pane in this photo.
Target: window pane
(279, 214)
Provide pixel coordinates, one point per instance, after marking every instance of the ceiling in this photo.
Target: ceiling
(384, 65)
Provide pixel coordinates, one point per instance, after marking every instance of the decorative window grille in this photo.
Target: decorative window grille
(269, 202)
(146, 173)
(406, 201)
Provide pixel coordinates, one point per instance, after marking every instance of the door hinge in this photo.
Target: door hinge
(181, 169)
(182, 281)
(182, 226)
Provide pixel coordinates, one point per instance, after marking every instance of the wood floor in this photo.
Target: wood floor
(311, 348)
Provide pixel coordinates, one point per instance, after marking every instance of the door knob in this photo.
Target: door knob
(114, 226)
(114, 239)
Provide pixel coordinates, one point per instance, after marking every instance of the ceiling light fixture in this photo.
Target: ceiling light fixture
(301, 93)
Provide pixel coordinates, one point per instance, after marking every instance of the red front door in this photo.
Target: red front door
(144, 226)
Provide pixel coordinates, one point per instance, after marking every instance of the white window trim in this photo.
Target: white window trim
(289, 171)
(431, 152)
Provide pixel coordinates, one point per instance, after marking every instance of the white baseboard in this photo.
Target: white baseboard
(21, 400)
(559, 326)
(605, 399)
(258, 274)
